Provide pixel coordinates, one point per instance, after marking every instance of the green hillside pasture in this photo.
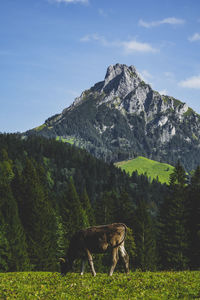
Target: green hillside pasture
(70, 140)
(152, 168)
(137, 285)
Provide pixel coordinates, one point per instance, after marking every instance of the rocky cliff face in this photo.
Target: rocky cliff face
(122, 116)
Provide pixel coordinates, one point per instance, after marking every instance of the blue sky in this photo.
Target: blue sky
(52, 50)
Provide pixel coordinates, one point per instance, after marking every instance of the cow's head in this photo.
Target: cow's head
(65, 266)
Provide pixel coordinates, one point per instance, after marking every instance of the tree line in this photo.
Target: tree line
(49, 190)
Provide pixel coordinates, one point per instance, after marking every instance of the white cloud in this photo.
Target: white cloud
(70, 1)
(173, 21)
(170, 21)
(163, 92)
(192, 82)
(146, 75)
(128, 47)
(135, 46)
(195, 37)
(95, 37)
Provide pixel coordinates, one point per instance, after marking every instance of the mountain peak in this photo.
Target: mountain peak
(120, 80)
(117, 69)
(122, 115)
(120, 70)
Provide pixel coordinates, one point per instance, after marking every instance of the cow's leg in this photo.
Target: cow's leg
(83, 266)
(124, 256)
(115, 258)
(90, 260)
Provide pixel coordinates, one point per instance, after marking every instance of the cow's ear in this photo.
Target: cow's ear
(62, 260)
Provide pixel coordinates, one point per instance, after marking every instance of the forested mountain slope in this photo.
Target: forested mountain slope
(122, 117)
(49, 190)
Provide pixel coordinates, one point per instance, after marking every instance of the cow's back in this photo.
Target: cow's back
(99, 238)
(116, 234)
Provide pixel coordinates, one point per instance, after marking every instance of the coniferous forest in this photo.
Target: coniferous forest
(49, 190)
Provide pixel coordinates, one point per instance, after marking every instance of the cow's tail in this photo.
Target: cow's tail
(125, 232)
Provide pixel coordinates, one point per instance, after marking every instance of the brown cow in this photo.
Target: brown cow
(97, 239)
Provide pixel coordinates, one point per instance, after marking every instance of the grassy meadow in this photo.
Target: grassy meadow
(69, 141)
(144, 165)
(137, 285)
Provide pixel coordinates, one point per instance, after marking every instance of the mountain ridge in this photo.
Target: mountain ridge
(122, 117)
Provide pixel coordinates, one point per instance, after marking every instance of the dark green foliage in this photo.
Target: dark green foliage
(105, 208)
(131, 247)
(48, 190)
(124, 209)
(13, 239)
(87, 208)
(144, 238)
(5, 253)
(193, 206)
(174, 240)
(37, 216)
(14, 232)
(73, 215)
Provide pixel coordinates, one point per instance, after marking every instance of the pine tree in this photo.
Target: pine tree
(144, 238)
(107, 208)
(193, 206)
(6, 168)
(13, 230)
(73, 216)
(60, 237)
(131, 247)
(87, 208)
(37, 216)
(174, 240)
(124, 209)
(5, 252)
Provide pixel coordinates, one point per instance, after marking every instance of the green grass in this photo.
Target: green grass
(69, 141)
(39, 128)
(137, 285)
(150, 167)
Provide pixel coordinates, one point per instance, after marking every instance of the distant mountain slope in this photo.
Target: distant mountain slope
(122, 117)
(151, 168)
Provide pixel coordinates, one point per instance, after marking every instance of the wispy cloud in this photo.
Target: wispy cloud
(195, 37)
(128, 47)
(145, 75)
(170, 21)
(135, 46)
(95, 37)
(70, 1)
(163, 92)
(192, 82)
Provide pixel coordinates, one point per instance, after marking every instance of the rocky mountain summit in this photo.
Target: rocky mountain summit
(122, 117)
